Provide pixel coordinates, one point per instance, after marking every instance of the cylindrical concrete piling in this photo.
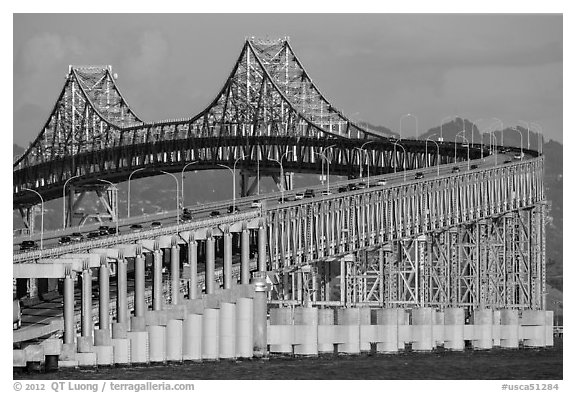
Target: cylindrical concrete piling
(454, 329)
(387, 321)
(121, 351)
(533, 323)
(244, 333)
(260, 316)
(482, 329)
(403, 328)
(104, 296)
(174, 340)
(139, 347)
(245, 258)
(210, 332)
(438, 327)
(306, 331)
(496, 333)
(227, 269)
(193, 261)
(350, 340)
(509, 329)
(122, 291)
(157, 343)
(119, 330)
(157, 298)
(262, 248)
(69, 329)
(227, 334)
(175, 273)
(209, 280)
(192, 337)
(365, 319)
(549, 328)
(281, 316)
(325, 318)
(86, 303)
(422, 334)
(139, 286)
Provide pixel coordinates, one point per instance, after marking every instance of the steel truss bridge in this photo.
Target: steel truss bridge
(474, 238)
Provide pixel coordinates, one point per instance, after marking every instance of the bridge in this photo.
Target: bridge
(441, 226)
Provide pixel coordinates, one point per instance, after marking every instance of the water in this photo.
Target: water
(533, 364)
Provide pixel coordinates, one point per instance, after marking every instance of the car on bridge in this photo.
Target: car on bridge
(299, 196)
(474, 166)
(381, 183)
(419, 175)
(136, 227)
(93, 234)
(309, 193)
(214, 213)
(455, 169)
(64, 240)
(256, 204)
(28, 245)
(156, 224)
(104, 230)
(326, 192)
(186, 215)
(76, 237)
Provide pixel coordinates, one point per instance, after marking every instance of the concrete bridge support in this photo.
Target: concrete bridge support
(262, 247)
(175, 272)
(139, 286)
(260, 315)
(227, 259)
(157, 298)
(86, 310)
(104, 296)
(122, 291)
(245, 257)
(69, 328)
(193, 262)
(210, 263)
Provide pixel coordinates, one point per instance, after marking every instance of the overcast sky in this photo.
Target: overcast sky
(373, 67)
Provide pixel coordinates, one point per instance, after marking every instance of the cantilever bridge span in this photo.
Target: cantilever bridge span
(472, 238)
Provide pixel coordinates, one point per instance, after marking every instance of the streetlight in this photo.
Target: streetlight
(403, 158)
(130, 177)
(363, 151)
(540, 139)
(408, 115)
(322, 152)
(41, 220)
(491, 134)
(183, 169)
(233, 181)
(328, 176)
(281, 176)
(521, 142)
(437, 153)
(528, 125)
(177, 199)
(467, 151)
(116, 203)
(64, 201)
(502, 135)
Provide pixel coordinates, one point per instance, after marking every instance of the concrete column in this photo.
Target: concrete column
(86, 303)
(245, 258)
(482, 329)
(262, 248)
(325, 318)
(157, 281)
(306, 331)
(175, 273)
(281, 316)
(387, 321)
(104, 290)
(227, 260)
(260, 316)
(209, 280)
(139, 286)
(69, 330)
(509, 328)
(193, 261)
(454, 329)
(122, 296)
(422, 334)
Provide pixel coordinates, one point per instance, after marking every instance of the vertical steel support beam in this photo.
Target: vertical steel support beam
(86, 302)
(245, 257)
(175, 272)
(69, 329)
(227, 259)
(139, 286)
(157, 295)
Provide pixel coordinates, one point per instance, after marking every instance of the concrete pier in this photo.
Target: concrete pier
(533, 324)
(69, 329)
(122, 291)
(454, 329)
(387, 321)
(227, 334)
(245, 257)
(422, 334)
(325, 318)
(282, 316)
(139, 286)
(174, 340)
(260, 316)
(349, 319)
(244, 333)
(227, 270)
(192, 337)
(175, 273)
(483, 321)
(305, 331)
(210, 261)
(86, 303)
(262, 247)
(193, 262)
(210, 333)
(157, 297)
(104, 296)
(509, 329)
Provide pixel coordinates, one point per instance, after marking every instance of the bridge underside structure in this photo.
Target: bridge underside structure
(471, 239)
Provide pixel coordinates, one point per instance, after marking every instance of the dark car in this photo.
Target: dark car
(419, 175)
(353, 187)
(309, 193)
(76, 237)
(112, 231)
(455, 169)
(343, 189)
(507, 162)
(214, 213)
(474, 166)
(232, 209)
(156, 224)
(28, 245)
(136, 227)
(361, 186)
(93, 235)
(64, 240)
(104, 230)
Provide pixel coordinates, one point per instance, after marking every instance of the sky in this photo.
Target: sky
(373, 67)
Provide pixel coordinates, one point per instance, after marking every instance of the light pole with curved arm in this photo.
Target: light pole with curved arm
(129, 178)
(437, 153)
(115, 203)
(408, 115)
(442, 124)
(233, 181)
(177, 196)
(502, 132)
(322, 152)
(183, 169)
(328, 176)
(467, 150)
(521, 142)
(64, 201)
(41, 219)
(528, 128)
(403, 158)
(281, 176)
(492, 135)
(540, 138)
